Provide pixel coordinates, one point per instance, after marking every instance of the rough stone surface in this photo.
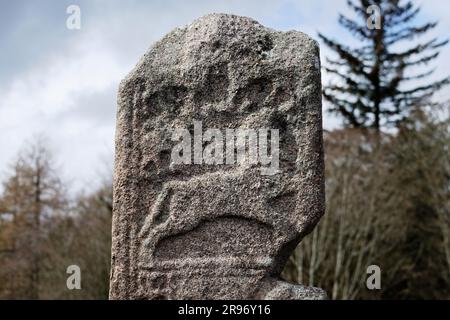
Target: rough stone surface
(216, 231)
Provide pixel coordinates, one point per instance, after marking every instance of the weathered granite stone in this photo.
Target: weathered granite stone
(216, 231)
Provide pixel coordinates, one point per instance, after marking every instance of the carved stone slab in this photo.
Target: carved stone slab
(195, 216)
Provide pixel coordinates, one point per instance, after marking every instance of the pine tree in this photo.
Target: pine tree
(375, 88)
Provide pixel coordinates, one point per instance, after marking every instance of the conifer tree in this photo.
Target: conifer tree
(378, 85)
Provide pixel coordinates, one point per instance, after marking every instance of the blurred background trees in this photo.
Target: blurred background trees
(42, 232)
(387, 204)
(387, 171)
(377, 84)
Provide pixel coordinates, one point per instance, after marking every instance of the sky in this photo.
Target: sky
(62, 84)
